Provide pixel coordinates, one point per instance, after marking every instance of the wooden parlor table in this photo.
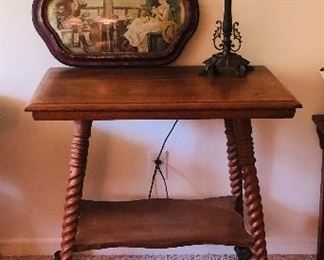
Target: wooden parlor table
(85, 95)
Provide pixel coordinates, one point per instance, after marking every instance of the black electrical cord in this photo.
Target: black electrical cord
(158, 163)
(158, 170)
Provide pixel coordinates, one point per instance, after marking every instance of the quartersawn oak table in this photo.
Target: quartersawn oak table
(84, 95)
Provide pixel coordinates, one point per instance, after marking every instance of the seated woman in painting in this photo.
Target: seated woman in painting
(138, 30)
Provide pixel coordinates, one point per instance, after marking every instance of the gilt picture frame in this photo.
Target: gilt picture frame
(103, 33)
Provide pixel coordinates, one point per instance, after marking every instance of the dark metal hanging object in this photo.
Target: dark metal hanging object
(228, 40)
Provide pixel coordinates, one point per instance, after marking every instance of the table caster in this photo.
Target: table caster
(243, 253)
(57, 255)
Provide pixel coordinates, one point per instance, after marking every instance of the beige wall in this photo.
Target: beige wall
(285, 35)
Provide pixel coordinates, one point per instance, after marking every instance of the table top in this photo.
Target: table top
(158, 93)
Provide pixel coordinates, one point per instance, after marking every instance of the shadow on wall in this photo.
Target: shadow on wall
(32, 175)
(34, 172)
(198, 165)
(282, 220)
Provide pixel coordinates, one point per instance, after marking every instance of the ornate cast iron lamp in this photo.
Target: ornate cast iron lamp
(227, 61)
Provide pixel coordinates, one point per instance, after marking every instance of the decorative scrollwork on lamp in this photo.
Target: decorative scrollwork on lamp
(217, 39)
(228, 40)
(237, 37)
(218, 35)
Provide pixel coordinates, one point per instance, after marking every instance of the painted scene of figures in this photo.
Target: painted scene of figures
(114, 26)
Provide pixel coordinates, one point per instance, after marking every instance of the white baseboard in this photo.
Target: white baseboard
(16, 247)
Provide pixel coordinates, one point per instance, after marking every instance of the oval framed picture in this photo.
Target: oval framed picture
(115, 32)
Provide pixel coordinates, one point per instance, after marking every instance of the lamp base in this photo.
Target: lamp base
(230, 64)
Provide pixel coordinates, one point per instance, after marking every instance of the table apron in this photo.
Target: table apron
(174, 114)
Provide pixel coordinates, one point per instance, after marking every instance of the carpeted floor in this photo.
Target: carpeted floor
(164, 257)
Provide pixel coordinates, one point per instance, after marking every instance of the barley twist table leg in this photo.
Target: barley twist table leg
(243, 134)
(236, 179)
(78, 162)
(234, 166)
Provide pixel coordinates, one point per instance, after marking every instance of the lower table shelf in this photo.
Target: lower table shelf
(160, 223)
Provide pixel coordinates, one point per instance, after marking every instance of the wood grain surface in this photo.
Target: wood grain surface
(158, 93)
(160, 223)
